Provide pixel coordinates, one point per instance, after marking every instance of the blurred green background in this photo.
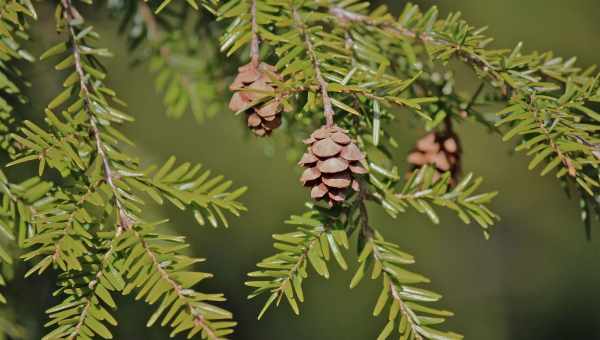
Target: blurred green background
(536, 278)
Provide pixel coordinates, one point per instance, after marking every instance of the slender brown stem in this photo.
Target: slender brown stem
(369, 233)
(327, 106)
(395, 28)
(92, 286)
(475, 96)
(404, 309)
(595, 147)
(255, 44)
(448, 125)
(199, 319)
(301, 260)
(149, 20)
(70, 14)
(389, 26)
(565, 159)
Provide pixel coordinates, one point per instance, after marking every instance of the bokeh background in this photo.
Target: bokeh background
(537, 278)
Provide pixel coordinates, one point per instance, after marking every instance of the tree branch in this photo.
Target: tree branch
(390, 26)
(471, 58)
(124, 221)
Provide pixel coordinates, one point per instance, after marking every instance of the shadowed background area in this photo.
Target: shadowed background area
(536, 278)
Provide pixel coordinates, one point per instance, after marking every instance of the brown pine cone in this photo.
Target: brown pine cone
(332, 161)
(252, 84)
(440, 150)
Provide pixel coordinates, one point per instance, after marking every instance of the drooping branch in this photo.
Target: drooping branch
(83, 144)
(406, 302)
(71, 14)
(281, 275)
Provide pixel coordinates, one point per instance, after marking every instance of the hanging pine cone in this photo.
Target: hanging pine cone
(441, 150)
(332, 161)
(254, 83)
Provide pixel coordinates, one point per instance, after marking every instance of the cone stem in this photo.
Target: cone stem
(149, 20)
(448, 125)
(327, 106)
(254, 46)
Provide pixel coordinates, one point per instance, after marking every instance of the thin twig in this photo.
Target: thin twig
(565, 159)
(92, 286)
(474, 98)
(299, 262)
(369, 233)
(199, 319)
(395, 28)
(149, 20)
(70, 14)
(403, 308)
(255, 44)
(327, 106)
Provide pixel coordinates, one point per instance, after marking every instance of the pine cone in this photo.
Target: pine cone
(254, 83)
(331, 161)
(441, 150)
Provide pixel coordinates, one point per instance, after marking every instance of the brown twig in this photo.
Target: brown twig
(70, 13)
(199, 319)
(369, 233)
(299, 262)
(149, 20)
(474, 98)
(392, 27)
(92, 285)
(327, 106)
(564, 159)
(255, 44)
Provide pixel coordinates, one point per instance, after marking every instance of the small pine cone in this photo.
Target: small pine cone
(440, 150)
(252, 84)
(331, 163)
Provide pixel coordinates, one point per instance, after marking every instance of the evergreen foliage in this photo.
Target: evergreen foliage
(337, 65)
(92, 228)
